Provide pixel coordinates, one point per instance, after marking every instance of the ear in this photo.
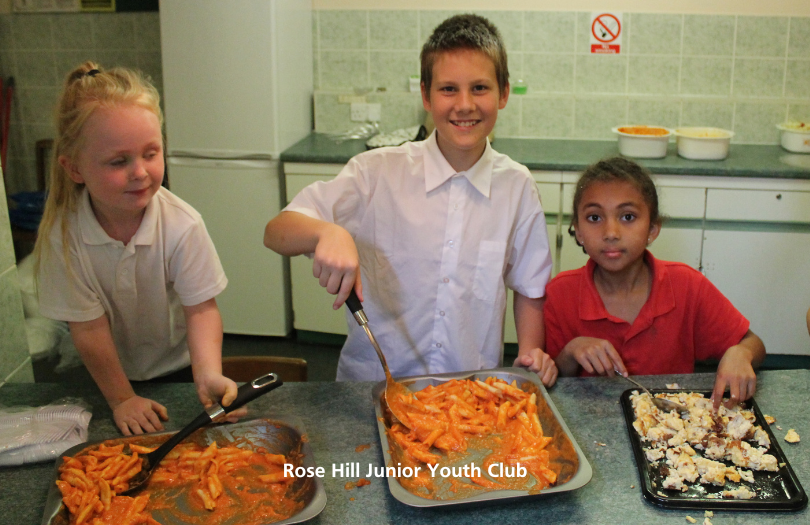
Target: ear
(70, 169)
(655, 229)
(425, 97)
(504, 97)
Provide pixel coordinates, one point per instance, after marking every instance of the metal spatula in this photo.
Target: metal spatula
(663, 404)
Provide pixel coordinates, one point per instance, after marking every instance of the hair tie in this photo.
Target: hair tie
(92, 72)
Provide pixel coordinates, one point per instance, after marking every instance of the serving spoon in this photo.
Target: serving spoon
(246, 393)
(393, 390)
(663, 404)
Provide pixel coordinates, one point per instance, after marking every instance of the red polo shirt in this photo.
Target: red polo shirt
(685, 319)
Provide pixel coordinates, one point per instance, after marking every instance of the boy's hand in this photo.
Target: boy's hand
(336, 264)
(595, 356)
(540, 363)
(137, 415)
(216, 388)
(736, 374)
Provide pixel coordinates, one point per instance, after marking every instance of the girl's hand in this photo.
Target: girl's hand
(216, 388)
(540, 363)
(736, 374)
(336, 264)
(137, 415)
(595, 356)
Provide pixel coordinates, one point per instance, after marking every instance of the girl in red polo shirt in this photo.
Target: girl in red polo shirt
(629, 312)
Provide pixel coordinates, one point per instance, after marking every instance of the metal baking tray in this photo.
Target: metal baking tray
(579, 472)
(775, 490)
(278, 435)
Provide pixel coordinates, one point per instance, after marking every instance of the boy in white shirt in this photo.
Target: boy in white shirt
(439, 228)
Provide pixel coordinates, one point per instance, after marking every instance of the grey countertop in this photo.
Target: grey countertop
(340, 416)
(575, 155)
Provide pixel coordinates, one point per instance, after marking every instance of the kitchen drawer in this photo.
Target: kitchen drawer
(296, 183)
(674, 202)
(758, 205)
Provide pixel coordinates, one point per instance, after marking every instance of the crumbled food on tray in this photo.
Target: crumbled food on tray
(673, 386)
(708, 514)
(769, 419)
(778, 427)
(792, 436)
(702, 447)
(706, 521)
(690, 519)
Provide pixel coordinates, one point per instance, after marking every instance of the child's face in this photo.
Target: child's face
(613, 224)
(120, 160)
(464, 101)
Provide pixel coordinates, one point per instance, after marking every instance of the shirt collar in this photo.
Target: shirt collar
(660, 301)
(93, 234)
(438, 170)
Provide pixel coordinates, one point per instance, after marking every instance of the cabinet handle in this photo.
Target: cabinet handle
(779, 196)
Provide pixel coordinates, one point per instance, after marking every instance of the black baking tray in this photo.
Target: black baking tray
(779, 490)
(278, 435)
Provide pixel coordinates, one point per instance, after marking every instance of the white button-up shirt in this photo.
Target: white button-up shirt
(437, 249)
(141, 286)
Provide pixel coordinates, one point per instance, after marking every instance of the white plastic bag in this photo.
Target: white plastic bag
(33, 434)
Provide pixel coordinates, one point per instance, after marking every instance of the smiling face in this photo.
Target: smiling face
(464, 100)
(120, 161)
(613, 225)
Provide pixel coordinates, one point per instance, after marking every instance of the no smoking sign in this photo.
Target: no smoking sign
(606, 33)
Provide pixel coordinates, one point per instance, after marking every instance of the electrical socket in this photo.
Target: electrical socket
(359, 112)
(374, 111)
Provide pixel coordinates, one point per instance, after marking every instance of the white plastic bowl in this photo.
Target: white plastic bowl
(703, 143)
(641, 145)
(795, 139)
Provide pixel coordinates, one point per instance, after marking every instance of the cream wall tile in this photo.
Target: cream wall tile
(799, 112)
(508, 124)
(758, 77)
(548, 117)
(761, 36)
(545, 32)
(343, 29)
(595, 117)
(708, 35)
(601, 74)
(549, 73)
(330, 115)
(344, 69)
(799, 42)
(510, 25)
(716, 114)
(653, 34)
(706, 76)
(654, 112)
(390, 30)
(392, 69)
(797, 80)
(653, 74)
(755, 122)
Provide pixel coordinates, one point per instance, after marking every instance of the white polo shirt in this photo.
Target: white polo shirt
(142, 287)
(437, 249)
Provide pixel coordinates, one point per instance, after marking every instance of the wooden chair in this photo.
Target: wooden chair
(247, 368)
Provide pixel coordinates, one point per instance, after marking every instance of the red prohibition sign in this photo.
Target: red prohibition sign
(606, 28)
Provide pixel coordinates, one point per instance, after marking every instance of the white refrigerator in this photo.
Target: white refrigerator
(237, 81)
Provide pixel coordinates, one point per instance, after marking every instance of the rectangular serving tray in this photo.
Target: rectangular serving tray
(578, 480)
(279, 435)
(775, 490)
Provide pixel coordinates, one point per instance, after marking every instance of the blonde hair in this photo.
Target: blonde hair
(86, 88)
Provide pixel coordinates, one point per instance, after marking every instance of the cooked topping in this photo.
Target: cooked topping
(792, 436)
(769, 419)
(644, 130)
(796, 125)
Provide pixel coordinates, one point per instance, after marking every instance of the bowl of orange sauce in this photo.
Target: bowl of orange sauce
(643, 142)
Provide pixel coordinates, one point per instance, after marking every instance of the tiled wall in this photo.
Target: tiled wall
(736, 72)
(15, 361)
(38, 50)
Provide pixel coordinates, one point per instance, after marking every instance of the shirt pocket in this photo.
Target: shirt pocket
(489, 270)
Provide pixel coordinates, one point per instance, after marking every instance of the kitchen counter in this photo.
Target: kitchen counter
(576, 155)
(340, 416)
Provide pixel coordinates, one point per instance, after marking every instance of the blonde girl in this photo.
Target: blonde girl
(127, 264)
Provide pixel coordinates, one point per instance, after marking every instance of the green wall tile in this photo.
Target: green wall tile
(594, 118)
(706, 76)
(548, 117)
(653, 34)
(330, 115)
(344, 69)
(549, 32)
(392, 69)
(393, 30)
(113, 32)
(799, 112)
(716, 114)
(601, 74)
(75, 31)
(755, 122)
(510, 26)
(797, 80)
(32, 31)
(799, 41)
(343, 29)
(508, 124)
(147, 31)
(656, 112)
(653, 74)
(708, 35)
(428, 20)
(761, 36)
(6, 243)
(549, 73)
(758, 77)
